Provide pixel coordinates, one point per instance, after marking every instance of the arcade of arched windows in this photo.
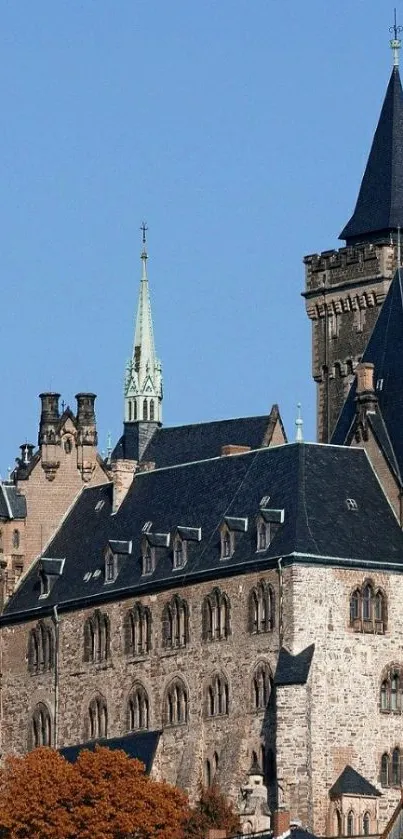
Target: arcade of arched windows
(261, 608)
(217, 696)
(40, 733)
(138, 709)
(216, 615)
(41, 648)
(97, 637)
(137, 630)
(97, 719)
(391, 698)
(175, 623)
(368, 609)
(261, 686)
(176, 703)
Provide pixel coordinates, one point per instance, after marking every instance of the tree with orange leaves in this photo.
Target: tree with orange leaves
(212, 811)
(104, 795)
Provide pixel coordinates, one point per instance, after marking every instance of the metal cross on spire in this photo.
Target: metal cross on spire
(395, 43)
(144, 254)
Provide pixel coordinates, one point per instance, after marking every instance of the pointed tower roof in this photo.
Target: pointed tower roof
(385, 351)
(379, 208)
(144, 347)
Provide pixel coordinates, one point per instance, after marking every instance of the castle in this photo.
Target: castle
(212, 598)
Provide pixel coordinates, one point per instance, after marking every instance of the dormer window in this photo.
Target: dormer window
(268, 522)
(229, 530)
(49, 570)
(150, 544)
(181, 538)
(116, 552)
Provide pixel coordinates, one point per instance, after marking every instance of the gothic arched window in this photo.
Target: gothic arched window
(41, 648)
(367, 598)
(145, 410)
(97, 637)
(395, 773)
(41, 727)
(368, 609)
(385, 770)
(97, 718)
(176, 703)
(130, 411)
(216, 616)
(137, 630)
(261, 608)
(175, 623)
(217, 696)
(350, 823)
(261, 687)
(366, 824)
(138, 709)
(16, 538)
(152, 410)
(392, 691)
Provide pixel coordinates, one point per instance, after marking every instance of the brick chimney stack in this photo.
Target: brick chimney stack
(365, 378)
(280, 823)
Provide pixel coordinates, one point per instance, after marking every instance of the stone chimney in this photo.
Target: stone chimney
(27, 451)
(280, 823)
(49, 417)
(123, 472)
(232, 448)
(366, 400)
(86, 422)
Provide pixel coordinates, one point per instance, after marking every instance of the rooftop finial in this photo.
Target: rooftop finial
(395, 43)
(299, 422)
(144, 254)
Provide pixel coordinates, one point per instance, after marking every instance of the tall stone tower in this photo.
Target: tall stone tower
(345, 288)
(143, 383)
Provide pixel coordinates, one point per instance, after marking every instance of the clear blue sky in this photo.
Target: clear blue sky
(239, 130)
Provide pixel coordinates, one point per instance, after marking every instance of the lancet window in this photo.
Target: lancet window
(97, 637)
(217, 696)
(138, 709)
(261, 687)
(261, 608)
(216, 616)
(176, 703)
(175, 623)
(97, 718)
(137, 630)
(41, 727)
(391, 699)
(41, 648)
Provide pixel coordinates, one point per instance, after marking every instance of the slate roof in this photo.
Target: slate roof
(293, 669)
(187, 443)
(12, 504)
(141, 745)
(379, 207)
(385, 351)
(350, 782)
(311, 482)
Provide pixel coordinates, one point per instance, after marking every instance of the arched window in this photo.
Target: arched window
(395, 774)
(226, 544)
(41, 648)
(176, 703)
(367, 596)
(385, 770)
(138, 709)
(179, 553)
(217, 697)
(130, 411)
(261, 687)
(339, 823)
(97, 637)
(261, 608)
(175, 623)
(384, 696)
(355, 601)
(392, 691)
(110, 566)
(216, 616)
(137, 630)
(152, 410)
(41, 727)
(97, 718)
(366, 824)
(262, 536)
(145, 410)
(1, 542)
(379, 606)
(350, 823)
(68, 445)
(16, 538)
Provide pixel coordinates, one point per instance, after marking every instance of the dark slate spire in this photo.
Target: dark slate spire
(379, 209)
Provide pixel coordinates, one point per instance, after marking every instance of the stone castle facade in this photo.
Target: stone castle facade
(214, 599)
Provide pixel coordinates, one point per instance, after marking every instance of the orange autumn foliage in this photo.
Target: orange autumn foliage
(212, 811)
(104, 795)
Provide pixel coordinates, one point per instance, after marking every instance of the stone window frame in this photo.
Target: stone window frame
(261, 608)
(391, 690)
(138, 709)
(366, 823)
(179, 552)
(216, 616)
(227, 542)
(368, 607)
(217, 698)
(175, 623)
(137, 627)
(391, 768)
(148, 558)
(350, 823)
(41, 727)
(210, 769)
(41, 648)
(176, 703)
(262, 685)
(97, 718)
(97, 638)
(16, 539)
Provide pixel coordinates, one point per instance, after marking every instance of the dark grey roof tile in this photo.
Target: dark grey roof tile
(350, 782)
